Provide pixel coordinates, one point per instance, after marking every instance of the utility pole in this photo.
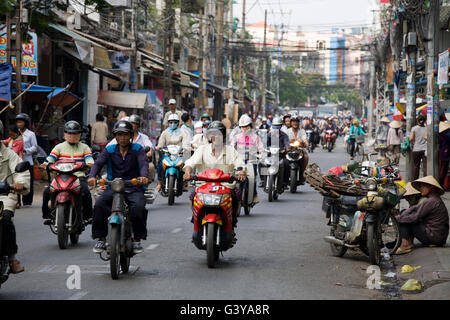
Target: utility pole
(241, 60)
(218, 107)
(263, 78)
(371, 97)
(201, 53)
(132, 80)
(411, 99)
(15, 50)
(432, 94)
(230, 68)
(168, 44)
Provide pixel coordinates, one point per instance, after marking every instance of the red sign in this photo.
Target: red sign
(385, 1)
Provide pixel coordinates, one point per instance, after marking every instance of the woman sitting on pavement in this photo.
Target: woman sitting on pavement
(427, 221)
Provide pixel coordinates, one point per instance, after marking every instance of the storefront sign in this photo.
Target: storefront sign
(29, 53)
(443, 68)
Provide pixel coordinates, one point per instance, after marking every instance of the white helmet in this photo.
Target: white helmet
(244, 121)
(198, 125)
(174, 117)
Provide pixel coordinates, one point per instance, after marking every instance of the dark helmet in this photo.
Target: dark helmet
(122, 126)
(24, 117)
(135, 118)
(217, 126)
(295, 118)
(72, 127)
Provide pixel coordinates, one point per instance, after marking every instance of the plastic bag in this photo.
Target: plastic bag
(336, 170)
(412, 285)
(407, 268)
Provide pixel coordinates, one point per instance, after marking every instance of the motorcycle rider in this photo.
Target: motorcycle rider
(126, 160)
(296, 133)
(283, 143)
(173, 111)
(200, 135)
(171, 136)
(315, 131)
(21, 184)
(286, 123)
(264, 125)
(355, 130)
(143, 140)
(217, 155)
(71, 149)
(248, 141)
(329, 126)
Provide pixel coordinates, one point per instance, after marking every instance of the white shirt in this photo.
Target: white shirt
(29, 145)
(187, 131)
(141, 139)
(203, 159)
(301, 134)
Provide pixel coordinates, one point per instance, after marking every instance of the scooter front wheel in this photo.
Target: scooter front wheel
(114, 261)
(171, 189)
(62, 212)
(212, 251)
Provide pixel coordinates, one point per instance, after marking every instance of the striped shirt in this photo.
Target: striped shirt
(79, 152)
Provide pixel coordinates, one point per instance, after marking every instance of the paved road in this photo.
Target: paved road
(280, 254)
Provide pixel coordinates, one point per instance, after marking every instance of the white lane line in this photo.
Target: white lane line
(176, 230)
(47, 269)
(78, 296)
(152, 246)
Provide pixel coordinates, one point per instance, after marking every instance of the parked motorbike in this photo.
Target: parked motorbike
(119, 247)
(212, 215)
(172, 184)
(272, 172)
(5, 189)
(295, 157)
(329, 139)
(368, 222)
(66, 198)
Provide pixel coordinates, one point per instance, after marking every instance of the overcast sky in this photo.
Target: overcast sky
(312, 15)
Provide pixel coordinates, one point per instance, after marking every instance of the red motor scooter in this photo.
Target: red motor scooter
(329, 139)
(212, 210)
(65, 194)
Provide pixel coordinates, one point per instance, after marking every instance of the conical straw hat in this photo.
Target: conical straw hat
(385, 119)
(410, 191)
(395, 124)
(443, 126)
(428, 180)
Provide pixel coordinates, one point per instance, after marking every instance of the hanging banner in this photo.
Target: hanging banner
(29, 53)
(6, 70)
(443, 68)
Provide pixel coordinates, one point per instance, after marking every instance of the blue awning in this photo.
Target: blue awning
(59, 97)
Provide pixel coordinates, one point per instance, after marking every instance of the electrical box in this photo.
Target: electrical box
(412, 39)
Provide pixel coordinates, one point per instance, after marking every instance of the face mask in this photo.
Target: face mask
(276, 127)
(173, 125)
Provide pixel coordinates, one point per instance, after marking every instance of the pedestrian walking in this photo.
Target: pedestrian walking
(30, 149)
(418, 140)
(394, 140)
(382, 133)
(99, 132)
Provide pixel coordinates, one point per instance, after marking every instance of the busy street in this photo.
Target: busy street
(279, 254)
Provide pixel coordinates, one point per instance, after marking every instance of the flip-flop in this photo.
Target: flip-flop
(402, 251)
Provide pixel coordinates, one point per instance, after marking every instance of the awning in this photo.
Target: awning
(217, 86)
(38, 93)
(122, 99)
(106, 73)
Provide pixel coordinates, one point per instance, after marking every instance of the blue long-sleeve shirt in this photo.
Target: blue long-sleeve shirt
(133, 165)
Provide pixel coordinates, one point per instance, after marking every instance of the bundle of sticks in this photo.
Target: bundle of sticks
(331, 185)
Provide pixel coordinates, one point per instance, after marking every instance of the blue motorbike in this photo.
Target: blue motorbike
(172, 164)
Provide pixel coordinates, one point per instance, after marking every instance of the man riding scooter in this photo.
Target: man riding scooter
(217, 155)
(296, 133)
(21, 184)
(330, 126)
(71, 149)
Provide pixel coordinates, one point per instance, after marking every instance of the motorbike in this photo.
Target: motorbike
(65, 192)
(172, 184)
(366, 222)
(212, 215)
(329, 139)
(273, 173)
(5, 189)
(248, 188)
(119, 247)
(295, 156)
(311, 138)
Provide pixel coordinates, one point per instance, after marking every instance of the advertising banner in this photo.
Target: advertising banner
(29, 53)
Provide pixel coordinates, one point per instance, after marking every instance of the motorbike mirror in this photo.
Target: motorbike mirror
(147, 149)
(96, 148)
(22, 167)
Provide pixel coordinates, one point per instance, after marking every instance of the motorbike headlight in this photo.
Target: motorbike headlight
(371, 185)
(118, 185)
(210, 199)
(173, 157)
(65, 167)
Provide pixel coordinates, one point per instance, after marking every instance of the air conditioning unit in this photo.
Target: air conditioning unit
(73, 20)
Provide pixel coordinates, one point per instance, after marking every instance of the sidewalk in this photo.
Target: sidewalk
(434, 274)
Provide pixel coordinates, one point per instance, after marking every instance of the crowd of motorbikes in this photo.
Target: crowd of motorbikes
(366, 223)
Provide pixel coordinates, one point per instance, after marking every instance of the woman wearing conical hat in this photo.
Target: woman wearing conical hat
(427, 221)
(395, 139)
(382, 133)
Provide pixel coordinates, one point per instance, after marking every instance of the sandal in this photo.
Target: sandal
(402, 251)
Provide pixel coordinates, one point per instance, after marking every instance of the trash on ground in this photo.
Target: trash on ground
(412, 285)
(407, 268)
(390, 274)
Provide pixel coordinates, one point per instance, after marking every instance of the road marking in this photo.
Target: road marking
(78, 296)
(152, 246)
(47, 269)
(176, 230)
